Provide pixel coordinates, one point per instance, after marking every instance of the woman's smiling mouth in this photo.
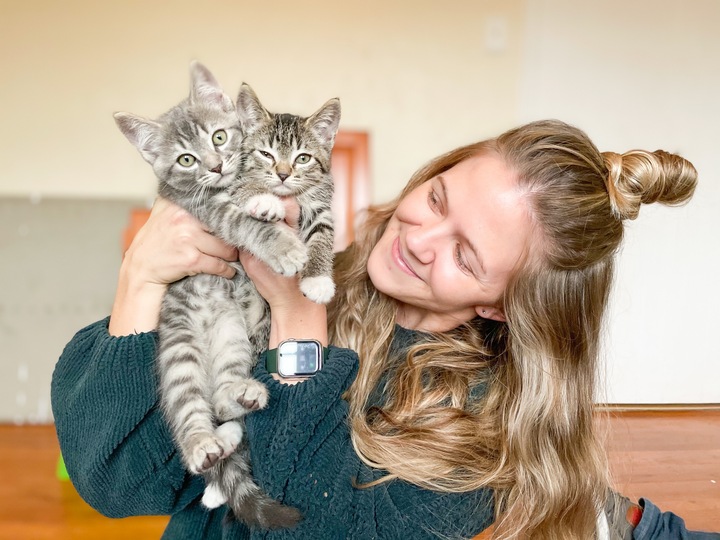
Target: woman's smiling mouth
(400, 260)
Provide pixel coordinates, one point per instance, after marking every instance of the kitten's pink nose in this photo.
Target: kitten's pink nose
(217, 169)
(283, 176)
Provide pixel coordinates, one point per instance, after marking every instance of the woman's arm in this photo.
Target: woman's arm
(171, 245)
(113, 437)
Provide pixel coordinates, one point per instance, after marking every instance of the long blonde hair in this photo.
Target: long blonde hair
(531, 437)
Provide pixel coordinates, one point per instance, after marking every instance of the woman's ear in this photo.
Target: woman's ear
(490, 312)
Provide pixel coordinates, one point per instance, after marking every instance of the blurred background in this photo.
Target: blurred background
(419, 78)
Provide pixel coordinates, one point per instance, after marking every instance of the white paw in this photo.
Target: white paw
(213, 497)
(265, 207)
(319, 289)
(229, 434)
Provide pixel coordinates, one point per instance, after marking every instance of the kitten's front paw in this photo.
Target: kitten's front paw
(319, 289)
(265, 207)
(290, 256)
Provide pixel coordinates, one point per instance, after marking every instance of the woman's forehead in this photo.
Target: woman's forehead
(491, 209)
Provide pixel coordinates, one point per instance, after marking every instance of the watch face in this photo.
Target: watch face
(299, 358)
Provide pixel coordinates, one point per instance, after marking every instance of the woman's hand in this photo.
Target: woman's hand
(292, 314)
(170, 246)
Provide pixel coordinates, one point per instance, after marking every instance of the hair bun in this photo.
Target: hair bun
(640, 177)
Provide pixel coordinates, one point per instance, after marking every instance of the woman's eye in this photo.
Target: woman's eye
(433, 199)
(186, 160)
(302, 159)
(219, 137)
(459, 259)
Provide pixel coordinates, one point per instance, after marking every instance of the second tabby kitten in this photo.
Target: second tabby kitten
(282, 155)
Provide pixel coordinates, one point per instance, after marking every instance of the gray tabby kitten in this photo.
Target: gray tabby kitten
(282, 155)
(211, 329)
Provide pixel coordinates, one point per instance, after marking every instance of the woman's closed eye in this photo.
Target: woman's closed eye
(434, 200)
(460, 260)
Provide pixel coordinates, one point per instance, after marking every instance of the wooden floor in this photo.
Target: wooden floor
(672, 458)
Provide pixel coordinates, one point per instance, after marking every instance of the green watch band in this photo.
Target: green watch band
(271, 361)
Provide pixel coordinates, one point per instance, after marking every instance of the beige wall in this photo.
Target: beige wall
(417, 75)
(420, 77)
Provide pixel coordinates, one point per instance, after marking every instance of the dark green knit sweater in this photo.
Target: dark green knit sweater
(121, 458)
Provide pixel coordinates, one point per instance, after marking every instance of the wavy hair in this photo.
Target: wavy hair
(531, 437)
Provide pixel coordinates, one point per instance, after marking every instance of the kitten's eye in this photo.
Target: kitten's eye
(267, 155)
(186, 160)
(219, 137)
(302, 159)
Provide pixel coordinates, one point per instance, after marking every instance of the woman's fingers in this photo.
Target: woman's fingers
(173, 244)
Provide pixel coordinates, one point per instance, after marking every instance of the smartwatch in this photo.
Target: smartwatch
(296, 358)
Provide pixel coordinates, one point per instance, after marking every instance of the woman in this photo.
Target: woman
(474, 303)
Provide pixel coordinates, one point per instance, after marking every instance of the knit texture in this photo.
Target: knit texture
(121, 458)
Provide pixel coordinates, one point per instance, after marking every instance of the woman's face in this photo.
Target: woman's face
(450, 248)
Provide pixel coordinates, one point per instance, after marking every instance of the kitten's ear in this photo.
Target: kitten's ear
(204, 88)
(142, 133)
(324, 123)
(249, 109)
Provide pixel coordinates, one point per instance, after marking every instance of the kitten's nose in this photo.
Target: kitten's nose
(282, 176)
(217, 169)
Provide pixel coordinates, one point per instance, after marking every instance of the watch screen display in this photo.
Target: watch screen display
(298, 358)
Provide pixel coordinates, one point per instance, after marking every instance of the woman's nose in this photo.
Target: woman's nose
(421, 241)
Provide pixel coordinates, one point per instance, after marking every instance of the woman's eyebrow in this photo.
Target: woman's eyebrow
(473, 248)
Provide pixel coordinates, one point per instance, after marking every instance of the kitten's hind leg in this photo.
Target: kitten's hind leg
(182, 391)
(237, 398)
(235, 392)
(230, 434)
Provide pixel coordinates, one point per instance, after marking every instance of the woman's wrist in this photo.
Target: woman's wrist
(136, 308)
(302, 320)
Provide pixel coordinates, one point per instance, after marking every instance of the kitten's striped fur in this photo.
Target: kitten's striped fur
(211, 329)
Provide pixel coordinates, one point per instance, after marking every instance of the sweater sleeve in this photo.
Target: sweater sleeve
(116, 446)
(302, 455)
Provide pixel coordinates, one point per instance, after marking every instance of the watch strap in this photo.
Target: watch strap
(271, 361)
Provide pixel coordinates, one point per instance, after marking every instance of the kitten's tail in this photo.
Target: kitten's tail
(231, 482)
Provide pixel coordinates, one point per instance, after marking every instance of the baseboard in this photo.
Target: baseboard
(657, 407)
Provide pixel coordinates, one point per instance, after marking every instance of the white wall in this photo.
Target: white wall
(645, 74)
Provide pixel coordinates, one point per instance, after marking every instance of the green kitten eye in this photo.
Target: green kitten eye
(302, 159)
(219, 137)
(186, 160)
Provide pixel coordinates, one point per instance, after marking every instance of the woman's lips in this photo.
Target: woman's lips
(400, 260)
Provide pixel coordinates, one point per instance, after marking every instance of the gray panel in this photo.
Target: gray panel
(59, 264)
